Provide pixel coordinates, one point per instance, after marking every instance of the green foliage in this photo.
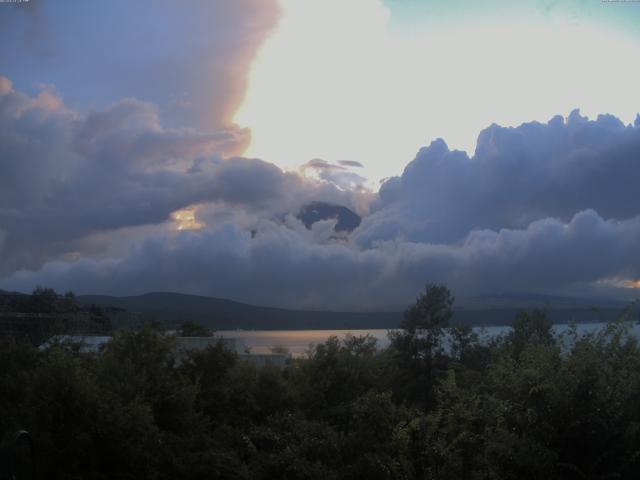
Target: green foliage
(437, 404)
(417, 348)
(530, 328)
(335, 373)
(431, 312)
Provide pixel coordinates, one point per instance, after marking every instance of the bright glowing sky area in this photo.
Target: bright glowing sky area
(349, 80)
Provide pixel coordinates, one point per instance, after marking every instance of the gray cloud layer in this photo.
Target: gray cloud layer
(288, 265)
(66, 176)
(86, 201)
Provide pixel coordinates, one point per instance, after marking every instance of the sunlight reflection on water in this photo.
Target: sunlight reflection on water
(298, 342)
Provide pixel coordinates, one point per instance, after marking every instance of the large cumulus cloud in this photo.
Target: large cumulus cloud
(67, 176)
(87, 200)
(516, 176)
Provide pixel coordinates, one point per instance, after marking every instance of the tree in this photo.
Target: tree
(420, 339)
(530, 328)
(210, 369)
(431, 312)
(44, 300)
(424, 322)
(464, 341)
(189, 328)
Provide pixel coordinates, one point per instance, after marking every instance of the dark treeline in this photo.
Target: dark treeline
(526, 406)
(44, 301)
(45, 313)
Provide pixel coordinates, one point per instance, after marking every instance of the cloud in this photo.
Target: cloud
(66, 176)
(319, 164)
(351, 163)
(338, 174)
(86, 203)
(193, 53)
(516, 176)
(422, 77)
(285, 264)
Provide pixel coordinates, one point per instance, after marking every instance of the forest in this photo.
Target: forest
(526, 405)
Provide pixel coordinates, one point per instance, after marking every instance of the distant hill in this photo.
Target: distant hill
(501, 309)
(532, 300)
(173, 308)
(347, 220)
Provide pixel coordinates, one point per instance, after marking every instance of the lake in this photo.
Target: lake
(298, 342)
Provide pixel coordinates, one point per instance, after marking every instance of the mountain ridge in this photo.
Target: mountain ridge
(171, 308)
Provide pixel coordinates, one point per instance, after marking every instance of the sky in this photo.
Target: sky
(168, 145)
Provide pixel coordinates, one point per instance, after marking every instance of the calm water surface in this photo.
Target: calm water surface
(298, 342)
